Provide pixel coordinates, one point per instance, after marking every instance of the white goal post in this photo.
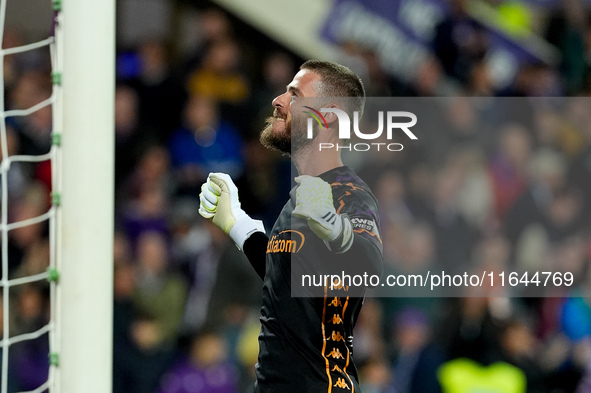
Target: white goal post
(85, 41)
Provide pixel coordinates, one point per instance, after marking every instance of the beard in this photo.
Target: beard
(285, 141)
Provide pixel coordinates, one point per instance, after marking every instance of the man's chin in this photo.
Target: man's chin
(276, 141)
(278, 125)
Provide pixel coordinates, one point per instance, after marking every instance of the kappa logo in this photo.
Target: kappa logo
(340, 383)
(336, 284)
(336, 319)
(335, 354)
(289, 241)
(336, 302)
(337, 369)
(336, 336)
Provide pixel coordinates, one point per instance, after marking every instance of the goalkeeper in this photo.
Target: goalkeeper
(331, 219)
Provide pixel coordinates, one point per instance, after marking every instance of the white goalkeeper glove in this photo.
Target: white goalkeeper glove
(314, 202)
(219, 202)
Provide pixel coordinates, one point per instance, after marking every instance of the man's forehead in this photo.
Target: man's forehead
(305, 81)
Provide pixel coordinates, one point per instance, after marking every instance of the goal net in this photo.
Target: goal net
(56, 292)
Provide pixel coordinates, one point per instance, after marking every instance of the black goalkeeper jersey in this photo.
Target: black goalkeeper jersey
(305, 344)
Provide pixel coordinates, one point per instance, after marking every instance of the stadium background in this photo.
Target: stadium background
(194, 84)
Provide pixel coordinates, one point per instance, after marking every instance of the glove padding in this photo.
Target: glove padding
(314, 202)
(219, 202)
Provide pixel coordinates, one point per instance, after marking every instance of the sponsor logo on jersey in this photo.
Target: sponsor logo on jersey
(363, 223)
(288, 241)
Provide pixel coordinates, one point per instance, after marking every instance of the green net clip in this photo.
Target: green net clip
(57, 5)
(56, 139)
(56, 78)
(52, 275)
(54, 359)
(56, 198)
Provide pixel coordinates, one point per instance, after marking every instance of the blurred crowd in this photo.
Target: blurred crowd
(512, 196)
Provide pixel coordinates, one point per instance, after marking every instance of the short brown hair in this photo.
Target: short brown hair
(338, 81)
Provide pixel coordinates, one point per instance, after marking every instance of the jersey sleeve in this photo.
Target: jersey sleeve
(361, 207)
(255, 249)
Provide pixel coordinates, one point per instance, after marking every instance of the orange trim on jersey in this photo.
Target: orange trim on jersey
(324, 340)
(365, 230)
(350, 184)
(345, 371)
(354, 187)
(348, 352)
(341, 205)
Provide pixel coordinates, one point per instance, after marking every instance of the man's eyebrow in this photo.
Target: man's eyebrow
(293, 89)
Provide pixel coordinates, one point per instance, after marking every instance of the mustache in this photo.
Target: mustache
(278, 115)
(269, 121)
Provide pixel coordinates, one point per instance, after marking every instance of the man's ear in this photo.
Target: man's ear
(331, 117)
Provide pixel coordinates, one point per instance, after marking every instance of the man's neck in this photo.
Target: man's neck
(310, 161)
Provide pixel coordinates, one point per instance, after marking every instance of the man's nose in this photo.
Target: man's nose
(280, 101)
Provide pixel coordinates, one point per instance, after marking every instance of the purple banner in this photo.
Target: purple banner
(401, 32)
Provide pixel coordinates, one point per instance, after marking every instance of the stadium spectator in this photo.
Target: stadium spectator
(508, 167)
(219, 77)
(131, 133)
(29, 358)
(460, 42)
(160, 91)
(204, 369)
(568, 30)
(417, 358)
(159, 293)
(147, 212)
(205, 143)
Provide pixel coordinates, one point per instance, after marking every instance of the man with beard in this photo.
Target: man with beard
(331, 218)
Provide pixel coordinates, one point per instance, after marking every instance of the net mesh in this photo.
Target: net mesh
(47, 276)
